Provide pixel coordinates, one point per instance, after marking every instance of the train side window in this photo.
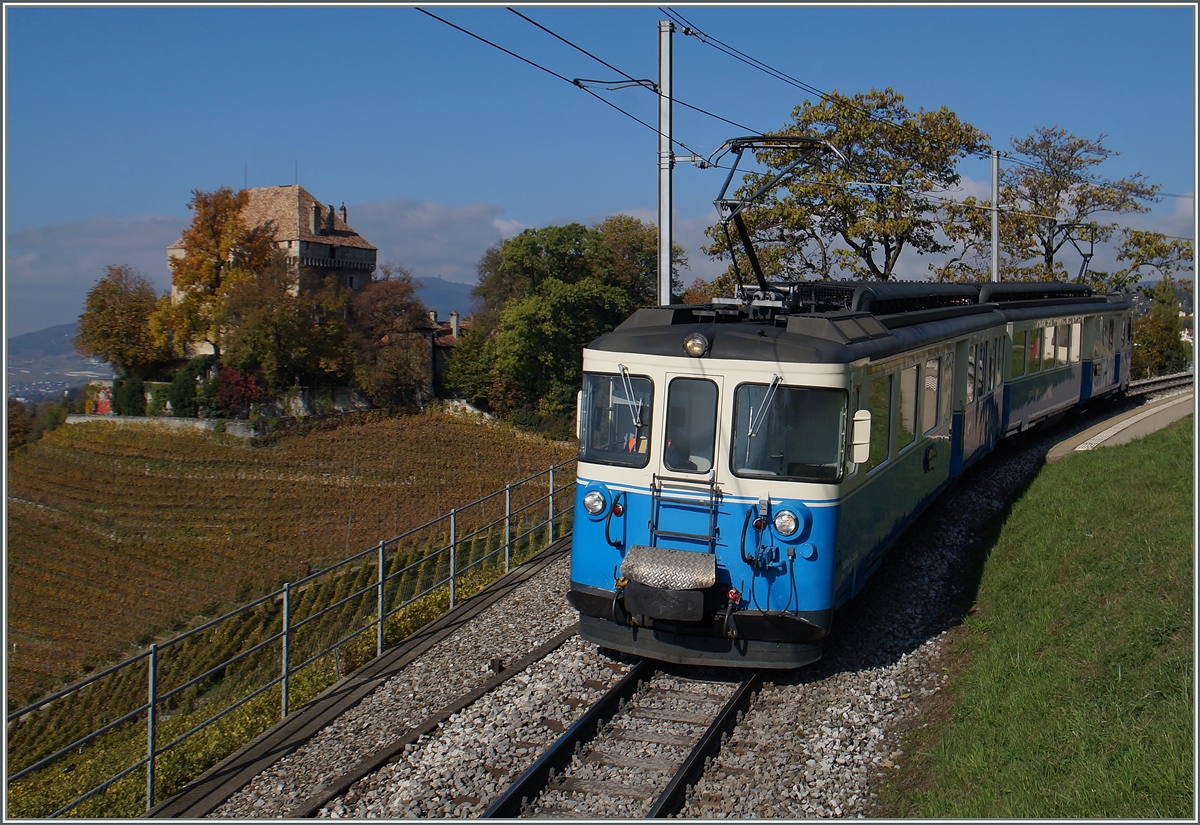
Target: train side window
(1076, 342)
(947, 379)
(997, 362)
(879, 402)
(855, 404)
(929, 400)
(1034, 362)
(1017, 364)
(906, 422)
(981, 370)
(971, 376)
(691, 425)
(615, 419)
(1048, 345)
(1064, 344)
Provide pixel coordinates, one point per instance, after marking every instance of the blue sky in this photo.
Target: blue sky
(440, 145)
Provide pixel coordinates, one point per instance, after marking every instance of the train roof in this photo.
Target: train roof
(841, 321)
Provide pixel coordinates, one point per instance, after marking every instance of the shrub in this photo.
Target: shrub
(182, 393)
(235, 392)
(129, 397)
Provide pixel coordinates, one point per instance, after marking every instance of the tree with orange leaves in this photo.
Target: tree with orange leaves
(220, 252)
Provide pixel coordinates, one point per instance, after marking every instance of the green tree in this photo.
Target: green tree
(392, 358)
(183, 394)
(470, 372)
(1158, 346)
(543, 295)
(633, 268)
(219, 252)
(857, 216)
(539, 350)
(114, 325)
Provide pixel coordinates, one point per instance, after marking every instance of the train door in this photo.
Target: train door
(685, 500)
(1105, 370)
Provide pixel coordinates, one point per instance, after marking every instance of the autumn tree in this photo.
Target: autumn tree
(392, 358)
(219, 252)
(1051, 201)
(114, 325)
(856, 216)
(282, 334)
(19, 424)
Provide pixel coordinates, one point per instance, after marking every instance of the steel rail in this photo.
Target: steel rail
(671, 800)
(372, 763)
(558, 755)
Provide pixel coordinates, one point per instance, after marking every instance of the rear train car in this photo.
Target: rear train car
(744, 465)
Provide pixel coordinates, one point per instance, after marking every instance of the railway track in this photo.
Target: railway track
(1147, 386)
(635, 752)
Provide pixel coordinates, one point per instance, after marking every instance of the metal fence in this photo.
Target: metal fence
(294, 642)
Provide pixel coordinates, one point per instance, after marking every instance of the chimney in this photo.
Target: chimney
(342, 214)
(454, 324)
(329, 220)
(314, 224)
(433, 315)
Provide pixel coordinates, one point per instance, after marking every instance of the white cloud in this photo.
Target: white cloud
(48, 270)
(434, 240)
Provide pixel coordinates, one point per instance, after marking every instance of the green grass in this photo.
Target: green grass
(1073, 695)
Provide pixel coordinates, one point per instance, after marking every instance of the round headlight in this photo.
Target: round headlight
(593, 502)
(695, 345)
(786, 522)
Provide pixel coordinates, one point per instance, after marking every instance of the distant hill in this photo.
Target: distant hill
(42, 365)
(48, 341)
(445, 296)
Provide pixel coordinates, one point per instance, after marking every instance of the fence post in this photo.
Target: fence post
(453, 543)
(152, 667)
(287, 590)
(507, 524)
(550, 523)
(379, 636)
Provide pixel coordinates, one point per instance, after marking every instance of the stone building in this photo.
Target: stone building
(316, 238)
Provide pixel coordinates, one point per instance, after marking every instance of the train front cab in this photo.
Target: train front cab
(772, 593)
(706, 516)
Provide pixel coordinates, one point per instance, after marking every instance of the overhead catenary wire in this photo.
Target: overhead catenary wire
(713, 42)
(551, 72)
(738, 55)
(630, 78)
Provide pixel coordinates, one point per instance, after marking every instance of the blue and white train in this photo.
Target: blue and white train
(745, 464)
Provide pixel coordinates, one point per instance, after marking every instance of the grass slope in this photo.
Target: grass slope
(1074, 691)
(119, 533)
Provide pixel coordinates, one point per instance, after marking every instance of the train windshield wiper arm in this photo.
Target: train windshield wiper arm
(634, 409)
(756, 423)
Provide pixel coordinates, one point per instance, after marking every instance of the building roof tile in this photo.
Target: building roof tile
(290, 208)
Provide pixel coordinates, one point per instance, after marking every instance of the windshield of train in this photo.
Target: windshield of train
(796, 433)
(615, 419)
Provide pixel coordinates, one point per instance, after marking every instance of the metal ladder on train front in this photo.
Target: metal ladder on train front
(708, 498)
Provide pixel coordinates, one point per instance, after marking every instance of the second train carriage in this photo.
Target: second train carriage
(744, 465)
